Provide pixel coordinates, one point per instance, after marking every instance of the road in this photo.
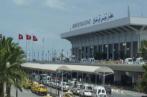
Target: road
(24, 93)
(28, 93)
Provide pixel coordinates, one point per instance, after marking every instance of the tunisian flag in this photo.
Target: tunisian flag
(20, 36)
(35, 38)
(28, 37)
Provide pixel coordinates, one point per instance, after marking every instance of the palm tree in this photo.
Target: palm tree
(11, 73)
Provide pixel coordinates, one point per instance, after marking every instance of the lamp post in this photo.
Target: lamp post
(92, 51)
(103, 79)
(48, 56)
(61, 85)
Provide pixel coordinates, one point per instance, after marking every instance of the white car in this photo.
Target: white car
(91, 60)
(99, 91)
(84, 60)
(86, 90)
(64, 85)
(46, 80)
(128, 61)
(77, 88)
(139, 61)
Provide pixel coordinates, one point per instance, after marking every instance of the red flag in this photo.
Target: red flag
(28, 37)
(35, 38)
(20, 36)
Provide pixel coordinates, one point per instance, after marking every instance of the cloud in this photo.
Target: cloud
(57, 4)
(54, 4)
(20, 2)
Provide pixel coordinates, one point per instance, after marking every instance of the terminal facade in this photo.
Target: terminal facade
(111, 39)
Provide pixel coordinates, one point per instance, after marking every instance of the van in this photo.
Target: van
(128, 61)
(99, 91)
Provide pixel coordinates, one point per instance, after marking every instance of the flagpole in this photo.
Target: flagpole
(26, 49)
(43, 49)
(18, 39)
(31, 55)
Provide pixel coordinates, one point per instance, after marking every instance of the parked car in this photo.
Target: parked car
(128, 61)
(84, 60)
(68, 94)
(99, 91)
(139, 61)
(46, 80)
(77, 88)
(91, 60)
(41, 90)
(86, 90)
(34, 86)
(65, 86)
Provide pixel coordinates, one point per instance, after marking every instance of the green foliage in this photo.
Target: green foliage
(143, 84)
(11, 56)
(143, 49)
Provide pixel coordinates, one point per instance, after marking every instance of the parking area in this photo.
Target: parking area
(28, 93)
(82, 81)
(57, 86)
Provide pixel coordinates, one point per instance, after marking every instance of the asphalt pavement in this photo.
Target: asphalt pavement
(115, 93)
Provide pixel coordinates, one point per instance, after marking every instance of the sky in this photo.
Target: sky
(47, 19)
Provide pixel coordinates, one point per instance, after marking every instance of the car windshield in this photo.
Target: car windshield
(99, 91)
(103, 91)
(130, 60)
(141, 60)
(89, 88)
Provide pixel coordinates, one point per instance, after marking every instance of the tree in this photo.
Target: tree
(143, 84)
(11, 73)
(143, 49)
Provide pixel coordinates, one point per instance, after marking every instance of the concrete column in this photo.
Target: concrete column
(119, 50)
(131, 50)
(107, 48)
(88, 52)
(77, 76)
(117, 76)
(85, 52)
(112, 51)
(102, 48)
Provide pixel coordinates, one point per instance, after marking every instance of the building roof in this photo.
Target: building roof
(127, 21)
(65, 67)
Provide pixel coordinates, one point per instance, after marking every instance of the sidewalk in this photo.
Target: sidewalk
(128, 92)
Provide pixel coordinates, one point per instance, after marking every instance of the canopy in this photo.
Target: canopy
(104, 70)
(65, 67)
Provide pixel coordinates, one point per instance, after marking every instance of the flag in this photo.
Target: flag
(28, 37)
(35, 38)
(20, 36)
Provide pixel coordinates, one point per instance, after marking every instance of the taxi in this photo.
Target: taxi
(34, 87)
(68, 94)
(42, 90)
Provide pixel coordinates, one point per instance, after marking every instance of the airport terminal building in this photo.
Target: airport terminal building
(110, 38)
